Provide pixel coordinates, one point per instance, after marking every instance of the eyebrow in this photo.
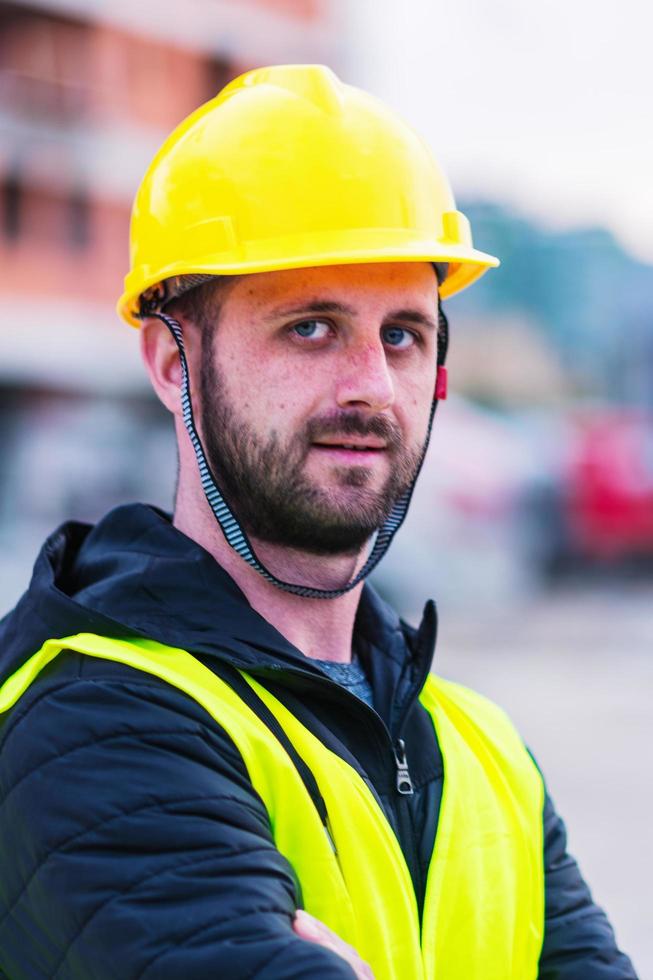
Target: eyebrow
(413, 316)
(333, 306)
(312, 306)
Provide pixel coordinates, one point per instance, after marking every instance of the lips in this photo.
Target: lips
(348, 453)
(361, 447)
(353, 437)
(346, 449)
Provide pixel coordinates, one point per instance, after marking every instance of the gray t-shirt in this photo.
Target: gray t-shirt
(350, 676)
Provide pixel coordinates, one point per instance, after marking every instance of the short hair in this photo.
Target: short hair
(202, 304)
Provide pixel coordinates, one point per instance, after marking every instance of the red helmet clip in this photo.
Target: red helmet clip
(441, 383)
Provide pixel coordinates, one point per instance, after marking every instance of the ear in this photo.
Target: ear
(161, 359)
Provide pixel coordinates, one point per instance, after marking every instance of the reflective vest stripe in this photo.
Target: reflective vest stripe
(484, 907)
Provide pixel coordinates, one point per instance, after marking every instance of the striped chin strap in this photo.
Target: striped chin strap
(234, 533)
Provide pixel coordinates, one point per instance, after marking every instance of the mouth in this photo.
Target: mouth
(356, 451)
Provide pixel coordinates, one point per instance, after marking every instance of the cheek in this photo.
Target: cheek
(414, 404)
(273, 393)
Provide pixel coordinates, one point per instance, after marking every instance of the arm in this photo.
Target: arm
(134, 846)
(579, 943)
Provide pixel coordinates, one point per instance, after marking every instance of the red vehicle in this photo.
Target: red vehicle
(595, 506)
(607, 491)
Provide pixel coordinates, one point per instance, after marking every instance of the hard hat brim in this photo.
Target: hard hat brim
(466, 265)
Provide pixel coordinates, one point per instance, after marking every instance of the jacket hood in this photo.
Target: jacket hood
(134, 573)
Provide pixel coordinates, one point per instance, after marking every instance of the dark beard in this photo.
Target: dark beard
(263, 483)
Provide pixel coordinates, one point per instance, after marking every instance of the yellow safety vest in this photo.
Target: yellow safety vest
(483, 915)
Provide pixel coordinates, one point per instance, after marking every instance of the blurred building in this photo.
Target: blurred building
(86, 97)
(590, 301)
(88, 91)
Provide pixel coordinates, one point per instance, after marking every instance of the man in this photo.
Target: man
(221, 754)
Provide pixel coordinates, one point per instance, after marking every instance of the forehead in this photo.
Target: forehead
(378, 284)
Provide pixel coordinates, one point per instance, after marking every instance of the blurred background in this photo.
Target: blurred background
(533, 522)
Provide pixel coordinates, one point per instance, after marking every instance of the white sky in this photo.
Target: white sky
(547, 105)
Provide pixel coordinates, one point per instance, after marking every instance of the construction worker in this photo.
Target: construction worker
(222, 753)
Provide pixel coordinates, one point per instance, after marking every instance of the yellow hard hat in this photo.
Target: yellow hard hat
(288, 168)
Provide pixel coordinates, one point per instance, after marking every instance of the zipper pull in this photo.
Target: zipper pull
(404, 782)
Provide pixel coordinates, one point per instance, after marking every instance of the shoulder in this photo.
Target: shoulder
(80, 695)
(82, 713)
(474, 729)
(447, 696)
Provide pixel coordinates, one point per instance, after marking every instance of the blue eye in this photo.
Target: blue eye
(398, 337)
(312, 329)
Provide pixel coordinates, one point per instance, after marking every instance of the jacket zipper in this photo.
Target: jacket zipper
(397, 746)
(404, 782)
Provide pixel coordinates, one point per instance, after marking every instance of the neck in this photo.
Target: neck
(320, 628)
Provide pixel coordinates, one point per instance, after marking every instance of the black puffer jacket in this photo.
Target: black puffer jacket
(132, 843)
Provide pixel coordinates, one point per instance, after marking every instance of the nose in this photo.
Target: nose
(364, 379)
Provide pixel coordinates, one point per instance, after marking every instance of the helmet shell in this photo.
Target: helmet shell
(287, 167)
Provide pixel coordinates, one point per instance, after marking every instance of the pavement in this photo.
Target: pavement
(574, 669)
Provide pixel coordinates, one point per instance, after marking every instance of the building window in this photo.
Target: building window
(44, 63)
(219, 72)
(79, 211)
(11, 206)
